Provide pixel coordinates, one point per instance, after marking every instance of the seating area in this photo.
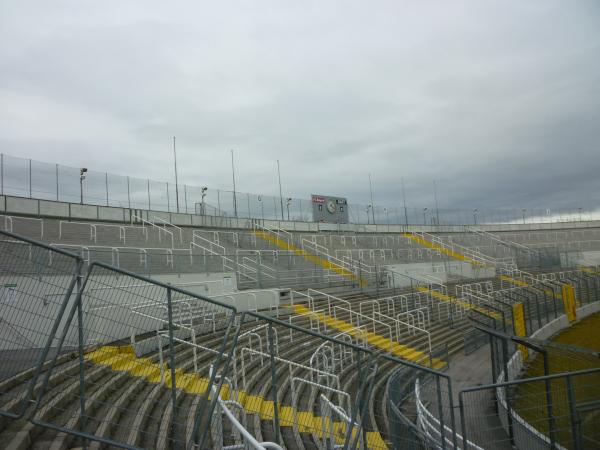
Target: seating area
(94, 350)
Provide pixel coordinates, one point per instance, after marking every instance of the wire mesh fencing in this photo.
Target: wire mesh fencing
(142, 364)
(555, 411)
(37, 285)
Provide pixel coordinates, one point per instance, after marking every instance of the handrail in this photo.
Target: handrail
(423, 422)
(160, 229)
(93, 230)
(9, 219)
(165, 223)
(247, 437)
(328, 297)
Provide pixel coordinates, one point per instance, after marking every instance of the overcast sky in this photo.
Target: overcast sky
(499, 101)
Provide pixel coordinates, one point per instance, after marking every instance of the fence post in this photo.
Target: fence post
(185, 196)
(509, 416)
(128, 195)
(81, 345)
(168, 200)
(438, 389)
(106, 185)
(463, 424)
(573, 414)
(172, 361)
(56, 182)
(1, 173)
(30, 178)
(274, 384)
(149, 208)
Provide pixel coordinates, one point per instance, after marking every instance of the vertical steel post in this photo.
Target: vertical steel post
(274, 384)
(451, 405)
(172, 361)
(148, 180)
(30, 178)
(168, 200)
(511, 431)
(185, 196)
(440, 411)
(176, 182)
(234, 195)
(56, 182)
(463, 423)
(219, 201)
(106, 184)
(573, 414)
(82, 424)
(128, 194)
(549, 403)
(1, 173)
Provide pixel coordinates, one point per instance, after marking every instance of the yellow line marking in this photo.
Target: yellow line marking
(403, 351)
(123, 359)
(439, 248)
(544, 290)
(462, 303)
(323, 262)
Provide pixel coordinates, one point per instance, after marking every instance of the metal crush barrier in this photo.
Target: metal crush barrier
(37, 284)
(144, 357)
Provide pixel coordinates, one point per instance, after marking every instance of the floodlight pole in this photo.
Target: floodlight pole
(404, 200)
(176, 184)
(372, 204)
(82, 173)
(280, 193)
(233, 175)
(437, 210)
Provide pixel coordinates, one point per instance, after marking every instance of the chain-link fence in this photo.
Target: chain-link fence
(34, 179)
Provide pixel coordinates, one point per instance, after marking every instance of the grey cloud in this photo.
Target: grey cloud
(497, 101)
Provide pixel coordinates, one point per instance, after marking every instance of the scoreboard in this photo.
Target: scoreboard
(329, 209)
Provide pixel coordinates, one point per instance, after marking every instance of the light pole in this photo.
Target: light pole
(475, 216)
(523, 211)
(424, 216)
(280, 194)
(233, 176)
(387, 217)
(580, 214)
(367, 211)
(204, 189)
(262, 210)
(287, 205)
(82, 173)
(372, 203)
(176, 183)
(404, 201)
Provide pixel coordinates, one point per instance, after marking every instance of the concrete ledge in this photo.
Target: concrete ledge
(61, 210)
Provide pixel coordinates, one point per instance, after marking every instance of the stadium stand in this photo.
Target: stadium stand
(327, 340)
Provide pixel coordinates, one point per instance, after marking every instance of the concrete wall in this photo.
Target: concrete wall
(441, 271)
(61, 210)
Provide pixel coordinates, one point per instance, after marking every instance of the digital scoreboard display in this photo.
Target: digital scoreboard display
(329, 209)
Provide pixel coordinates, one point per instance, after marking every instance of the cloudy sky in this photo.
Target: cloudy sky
(499, 101)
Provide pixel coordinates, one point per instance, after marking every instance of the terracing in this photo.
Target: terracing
(320, 369)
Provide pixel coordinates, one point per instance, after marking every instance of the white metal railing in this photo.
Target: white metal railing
(249, 441)
(158, 227)
(430, 425)
(9, 223)
(166, 223)
(328, 297)
(329, 410)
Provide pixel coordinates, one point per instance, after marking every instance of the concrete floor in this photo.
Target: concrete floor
(483, 425)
